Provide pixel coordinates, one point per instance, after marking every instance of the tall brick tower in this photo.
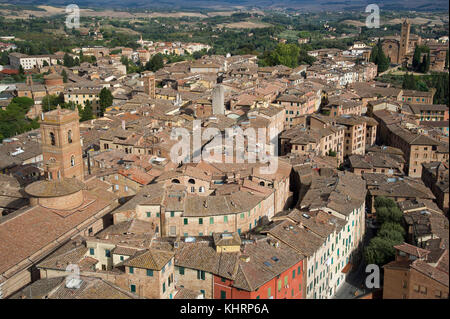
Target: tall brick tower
(404, 41)
(61, 144)
(149, 84)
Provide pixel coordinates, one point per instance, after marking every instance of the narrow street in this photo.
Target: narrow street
(355, 282)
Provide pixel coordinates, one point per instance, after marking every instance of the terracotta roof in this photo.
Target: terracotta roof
(227, 239)
(265, 262)
(203, 256)
(430, 271)
(150, 259)
(55, 187)
(412, 250)
(26, 232)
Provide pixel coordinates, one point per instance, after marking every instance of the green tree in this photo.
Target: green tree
(446, 59)
(4, 58)
(416, 58)
(13, 119)
(155, 63)
(68, 61)
(381, 201)
(378, 57)
(50, 102)
(64, 75)
(380, 250)
(87, 112)
(285, 54)
(389, 214)
(389, 227)
(106, 100)
(409, 82)
(24, 103)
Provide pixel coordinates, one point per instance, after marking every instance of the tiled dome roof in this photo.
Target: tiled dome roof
(54, 188)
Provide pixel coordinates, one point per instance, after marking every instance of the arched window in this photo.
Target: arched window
(262, 184)
(59, 174)
(52, 138)
(191, 181)
(72, 160)
(175, 181)
(69, 136)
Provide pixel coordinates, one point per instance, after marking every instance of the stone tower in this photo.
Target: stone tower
(149, 84)
(61, 144)
(218, 100)
(404, 41)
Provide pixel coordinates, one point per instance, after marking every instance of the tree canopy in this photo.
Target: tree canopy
(106, 100)
(290, 55)
(13, 119)
(378, 57)
(391, 232)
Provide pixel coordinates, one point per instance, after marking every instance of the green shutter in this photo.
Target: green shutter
(185, 221)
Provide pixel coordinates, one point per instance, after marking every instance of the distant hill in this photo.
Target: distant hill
(417, 5)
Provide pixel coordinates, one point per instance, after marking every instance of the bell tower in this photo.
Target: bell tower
(61, 144)
(404, 40)
(149, 84)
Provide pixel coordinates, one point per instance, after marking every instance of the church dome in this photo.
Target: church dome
(61, 194)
